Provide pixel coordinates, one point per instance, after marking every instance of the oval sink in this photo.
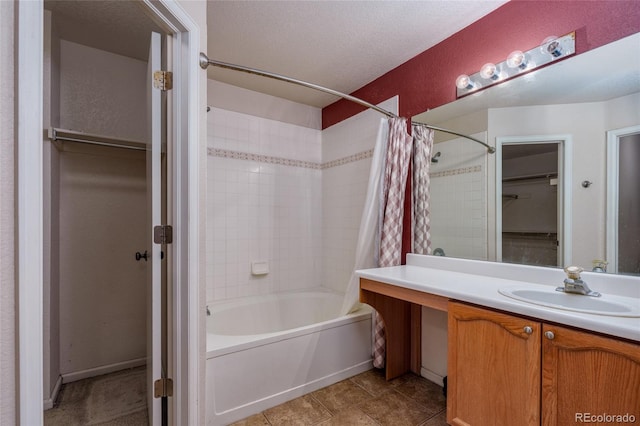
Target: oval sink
(615, 306)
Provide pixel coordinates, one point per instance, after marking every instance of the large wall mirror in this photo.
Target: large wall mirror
(545, 197)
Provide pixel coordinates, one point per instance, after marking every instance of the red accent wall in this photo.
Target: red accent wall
(428, 80)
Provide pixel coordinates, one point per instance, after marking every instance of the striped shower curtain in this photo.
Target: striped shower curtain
(392, 211)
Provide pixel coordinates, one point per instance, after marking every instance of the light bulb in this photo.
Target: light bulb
(489, 71)
(464, 82)
(517, 59)
(552, 46)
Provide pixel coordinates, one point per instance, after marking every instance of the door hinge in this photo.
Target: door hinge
(163, 80)
(162, 388)
(163, 234)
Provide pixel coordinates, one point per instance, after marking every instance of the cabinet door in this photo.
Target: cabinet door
(493, 368)
(585, 376)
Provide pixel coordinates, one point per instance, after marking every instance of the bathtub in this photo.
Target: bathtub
(263, 351)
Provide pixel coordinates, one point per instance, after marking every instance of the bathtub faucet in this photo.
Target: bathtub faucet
(208, 311)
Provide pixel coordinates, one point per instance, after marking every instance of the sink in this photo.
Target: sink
(609, 305)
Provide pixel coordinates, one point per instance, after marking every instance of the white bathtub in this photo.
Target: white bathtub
(263, 351)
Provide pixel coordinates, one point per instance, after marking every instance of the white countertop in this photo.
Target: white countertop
(480, 282)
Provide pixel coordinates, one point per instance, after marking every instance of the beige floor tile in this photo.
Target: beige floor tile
(395, 409)
(255, 420)
(350, 417)
(424, 392)
(301, 411)
(373, 381)
(439, 419)
(341, 395)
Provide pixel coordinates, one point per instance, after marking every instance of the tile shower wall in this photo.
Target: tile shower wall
(285, 194)
(263, 205)
(458, 199)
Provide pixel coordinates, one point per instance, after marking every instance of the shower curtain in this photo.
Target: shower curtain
(380, 234)
(392, 202)
(422, 148)
(367, 250)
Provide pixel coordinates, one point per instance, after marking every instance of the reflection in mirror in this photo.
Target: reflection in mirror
(623, 200)
(530, 204)
(582, 97)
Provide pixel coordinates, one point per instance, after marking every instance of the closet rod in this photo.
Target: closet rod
(205, 62)
(531, 177)
(73, 136)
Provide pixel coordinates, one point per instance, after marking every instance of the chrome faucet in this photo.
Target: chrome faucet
(574, 284)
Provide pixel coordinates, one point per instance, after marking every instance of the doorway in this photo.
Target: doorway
(532, 203)
(183, 159)
(623, 195)
(97, 221)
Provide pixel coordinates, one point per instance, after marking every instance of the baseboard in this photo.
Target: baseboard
(48, 403)
(431, 376)
(103, 369)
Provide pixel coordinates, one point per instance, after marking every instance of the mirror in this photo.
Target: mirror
(577, 100)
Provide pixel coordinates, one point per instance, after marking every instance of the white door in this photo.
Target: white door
(154, 191)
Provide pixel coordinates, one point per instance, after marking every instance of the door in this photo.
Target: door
(154, 217)
(533, 199)
(588, 378)
(493, 368)
(623, 193)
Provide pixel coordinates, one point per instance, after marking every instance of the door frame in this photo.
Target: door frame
(613, 164)
(565, 154)
(184, 118)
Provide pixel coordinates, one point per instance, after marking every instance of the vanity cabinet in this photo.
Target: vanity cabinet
(588, 375)
(493, 368)
(505, 370)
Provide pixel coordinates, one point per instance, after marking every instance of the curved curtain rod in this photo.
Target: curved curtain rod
(205, 62)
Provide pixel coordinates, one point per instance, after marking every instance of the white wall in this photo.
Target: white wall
(101, 92)
(8, 294)
(102, 211)
(102, 286)
(264, 199)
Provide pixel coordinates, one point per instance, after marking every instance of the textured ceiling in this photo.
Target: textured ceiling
(117, 26)
(342, 45)
(338, 44)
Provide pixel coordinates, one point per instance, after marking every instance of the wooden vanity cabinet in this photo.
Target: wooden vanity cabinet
(584, 374)
(493, 368)
(503, 373)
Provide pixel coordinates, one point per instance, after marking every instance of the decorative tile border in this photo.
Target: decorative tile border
(237, 155)
(350, 159)
(460, 171)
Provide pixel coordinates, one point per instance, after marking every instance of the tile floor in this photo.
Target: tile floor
(365, 399)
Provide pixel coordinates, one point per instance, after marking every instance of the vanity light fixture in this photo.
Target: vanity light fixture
(518, 62)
